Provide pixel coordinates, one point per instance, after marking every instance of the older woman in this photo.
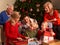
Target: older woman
(51, 15)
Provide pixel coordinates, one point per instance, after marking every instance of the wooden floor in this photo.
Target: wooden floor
(56, 42)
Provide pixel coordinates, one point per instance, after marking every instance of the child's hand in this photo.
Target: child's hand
(53, 33)
(20, 38)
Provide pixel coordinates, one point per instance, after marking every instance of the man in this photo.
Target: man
(4, 15)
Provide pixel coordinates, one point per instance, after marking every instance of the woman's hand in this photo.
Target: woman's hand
(53, 20)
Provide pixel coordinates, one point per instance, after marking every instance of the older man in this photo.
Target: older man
(4, 15)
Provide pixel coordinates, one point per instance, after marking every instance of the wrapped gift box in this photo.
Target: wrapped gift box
(33, 41)
(21, 43)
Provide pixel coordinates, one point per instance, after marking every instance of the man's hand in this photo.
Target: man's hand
(27, 37)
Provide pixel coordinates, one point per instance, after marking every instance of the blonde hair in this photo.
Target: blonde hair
(45, 24)
(49, 4)
(15, 14)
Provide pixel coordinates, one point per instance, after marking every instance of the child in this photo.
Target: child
(48, 33)
(11, 29)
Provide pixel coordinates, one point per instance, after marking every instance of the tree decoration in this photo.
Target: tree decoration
(16, 6)
(33, 14)
(22, 10)
(38, 10)
(31, 9)
(23, 0)
(26, 12)
(37, 5)
(29, 1)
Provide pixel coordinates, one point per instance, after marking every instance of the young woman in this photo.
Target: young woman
(11, 29)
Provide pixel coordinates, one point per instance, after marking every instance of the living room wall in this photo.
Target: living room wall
(56, 4)
(4, 3)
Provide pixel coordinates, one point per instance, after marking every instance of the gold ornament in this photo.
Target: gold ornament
(37, 10)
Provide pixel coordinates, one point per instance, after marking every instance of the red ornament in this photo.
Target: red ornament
(23, 0)
(29, 1)
(23, 10)
(26, 12)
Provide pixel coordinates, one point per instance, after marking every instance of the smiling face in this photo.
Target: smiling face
(27, 19)
(10, 9)
(48, 7)
(47, 10)
(44, 25)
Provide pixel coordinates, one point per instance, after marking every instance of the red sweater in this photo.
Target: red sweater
(44, 33)
(47, 32)
(11, 31)
(59, 21)
(48, 17)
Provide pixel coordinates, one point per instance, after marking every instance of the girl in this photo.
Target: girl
(45, 34)
(11, 29)
(48, 33)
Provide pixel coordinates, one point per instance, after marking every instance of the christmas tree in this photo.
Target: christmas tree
(33, 8)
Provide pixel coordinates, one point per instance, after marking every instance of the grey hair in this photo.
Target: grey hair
(10, 6)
